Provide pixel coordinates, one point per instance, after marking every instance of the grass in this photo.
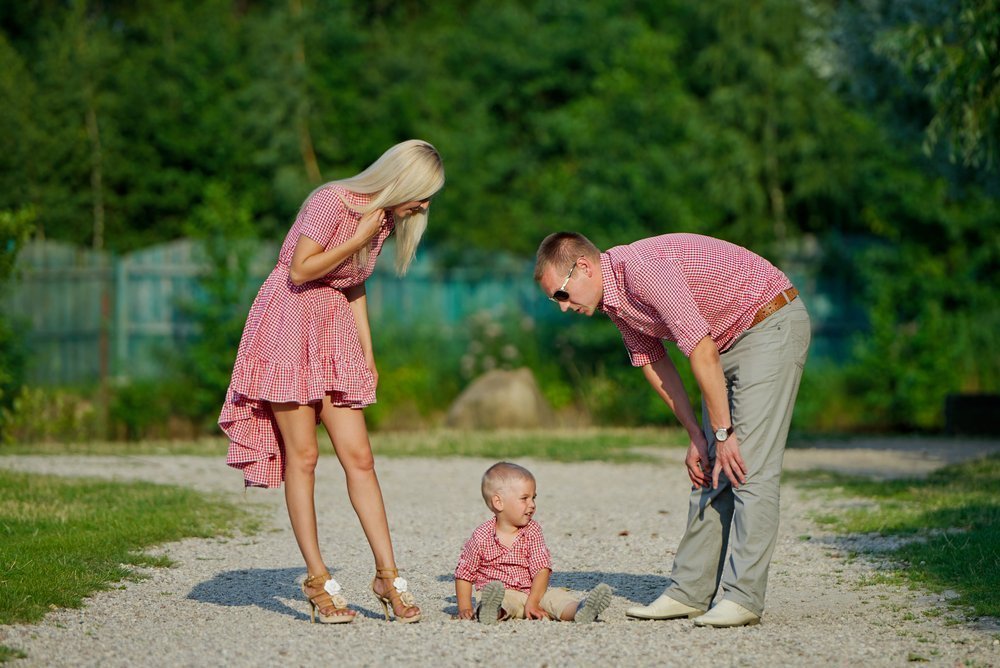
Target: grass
(208, 447)
(611, 445)
(62, 539)
(9, 654)
(952, 517)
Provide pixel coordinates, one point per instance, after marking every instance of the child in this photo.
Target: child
(507, 559)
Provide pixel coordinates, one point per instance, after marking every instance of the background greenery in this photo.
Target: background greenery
(856, 141)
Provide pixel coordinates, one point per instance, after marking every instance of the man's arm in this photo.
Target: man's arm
(663, 377)
(463, 592)
(707, 368)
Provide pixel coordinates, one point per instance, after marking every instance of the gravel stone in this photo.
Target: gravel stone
(235, 601)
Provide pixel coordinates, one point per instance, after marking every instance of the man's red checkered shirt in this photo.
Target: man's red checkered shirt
(682, 288)
(484, 559)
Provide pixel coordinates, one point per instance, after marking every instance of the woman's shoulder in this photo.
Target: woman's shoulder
(336, 192)
(328, 195)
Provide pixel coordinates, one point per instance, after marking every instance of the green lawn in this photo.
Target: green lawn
(953, 517)
(615, 445)
(61, 539)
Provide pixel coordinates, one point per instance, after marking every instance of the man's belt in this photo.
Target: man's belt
(784, 297)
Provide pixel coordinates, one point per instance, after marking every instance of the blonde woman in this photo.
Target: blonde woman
(306, 357)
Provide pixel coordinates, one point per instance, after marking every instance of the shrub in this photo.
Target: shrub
(14, 230)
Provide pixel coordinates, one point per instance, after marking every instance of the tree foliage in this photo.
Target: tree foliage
(779, 125)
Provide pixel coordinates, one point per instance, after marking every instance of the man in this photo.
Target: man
(736, 317)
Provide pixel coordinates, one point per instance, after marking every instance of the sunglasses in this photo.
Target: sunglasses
(561, 295)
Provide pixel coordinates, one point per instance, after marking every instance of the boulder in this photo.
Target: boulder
(501, 399)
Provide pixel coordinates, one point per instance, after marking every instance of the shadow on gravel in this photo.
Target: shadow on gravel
(263, 587)
(641, 589)
(266, 588)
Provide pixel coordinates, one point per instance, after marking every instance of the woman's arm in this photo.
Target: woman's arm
(310, 261)
(357, 297)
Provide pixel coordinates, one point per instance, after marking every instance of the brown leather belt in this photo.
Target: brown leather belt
(784, 297)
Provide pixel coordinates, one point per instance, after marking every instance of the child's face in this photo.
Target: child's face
(516, 503)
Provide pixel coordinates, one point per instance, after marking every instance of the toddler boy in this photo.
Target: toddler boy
(506, 558)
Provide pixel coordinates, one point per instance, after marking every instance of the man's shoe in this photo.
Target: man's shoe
(726, 614)
(663, 608)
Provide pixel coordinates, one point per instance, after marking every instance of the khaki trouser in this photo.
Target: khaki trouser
(762, 370)
(554, 601)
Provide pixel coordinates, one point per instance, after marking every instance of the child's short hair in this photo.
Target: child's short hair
(498, 476)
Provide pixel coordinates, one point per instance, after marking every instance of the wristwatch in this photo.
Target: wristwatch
(722, 433)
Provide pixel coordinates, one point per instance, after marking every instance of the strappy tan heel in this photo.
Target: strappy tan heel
(328, 597)
(398, 594)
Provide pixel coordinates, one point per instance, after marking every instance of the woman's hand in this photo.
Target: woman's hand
(370, 361)
(369, 225)
(466, 613)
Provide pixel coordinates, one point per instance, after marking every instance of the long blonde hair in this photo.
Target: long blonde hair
(409, 171)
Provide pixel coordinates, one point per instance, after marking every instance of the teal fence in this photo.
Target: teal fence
(91, 315)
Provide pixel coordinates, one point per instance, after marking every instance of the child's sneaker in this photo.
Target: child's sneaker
(597, 602)
(490, 600)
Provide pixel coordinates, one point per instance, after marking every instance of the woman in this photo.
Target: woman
(306, 357)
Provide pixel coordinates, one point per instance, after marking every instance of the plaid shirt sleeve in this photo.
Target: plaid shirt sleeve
(660, 285)
(469, 559)
(642, 348)
(538, 552)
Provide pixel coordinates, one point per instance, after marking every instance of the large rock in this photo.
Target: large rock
(501, 400)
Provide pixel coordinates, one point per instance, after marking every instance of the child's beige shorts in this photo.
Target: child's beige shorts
(554, 601)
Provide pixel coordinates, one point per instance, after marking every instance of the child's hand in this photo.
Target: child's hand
(466, 613)
(532, 611)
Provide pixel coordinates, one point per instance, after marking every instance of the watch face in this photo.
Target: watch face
(721, 434)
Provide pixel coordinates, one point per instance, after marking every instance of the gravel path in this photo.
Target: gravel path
(235, 601)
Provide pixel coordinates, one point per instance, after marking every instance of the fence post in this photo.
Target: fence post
(121, 315)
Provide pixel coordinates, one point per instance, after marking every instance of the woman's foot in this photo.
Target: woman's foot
(392, 590)
(324, 597)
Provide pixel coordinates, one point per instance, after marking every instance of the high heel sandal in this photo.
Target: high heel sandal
(328, 596)
(397, 594)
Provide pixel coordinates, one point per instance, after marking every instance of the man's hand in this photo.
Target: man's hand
(466, 613)
(698, 464)
(532, 611)
(729, 459)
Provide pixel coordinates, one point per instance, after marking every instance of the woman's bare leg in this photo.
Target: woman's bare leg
(297, 424)
(349, 434)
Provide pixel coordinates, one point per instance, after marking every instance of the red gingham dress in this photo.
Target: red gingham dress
(300, 342)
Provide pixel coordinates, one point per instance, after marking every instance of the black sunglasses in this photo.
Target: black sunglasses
(561, 295)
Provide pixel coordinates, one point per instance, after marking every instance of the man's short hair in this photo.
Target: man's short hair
(563, 249)
(498, 476)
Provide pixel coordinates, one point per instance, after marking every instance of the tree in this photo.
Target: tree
(953, 52)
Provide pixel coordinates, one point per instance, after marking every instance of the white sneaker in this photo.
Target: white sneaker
(663, 608)
(725, 614)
